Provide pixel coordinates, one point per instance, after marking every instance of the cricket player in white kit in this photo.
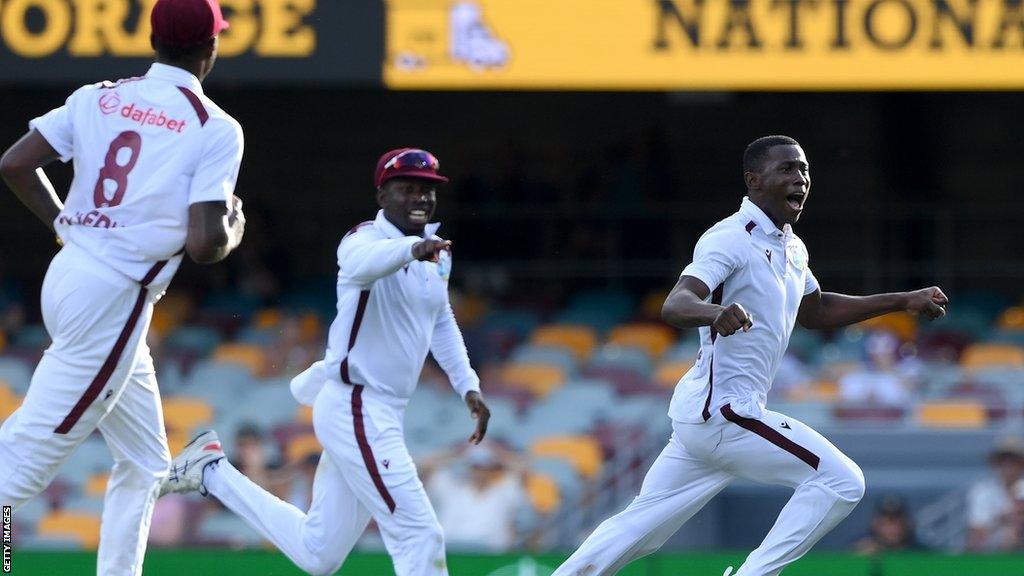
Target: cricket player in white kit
(155, 167)
(392, 309)
(748, 283)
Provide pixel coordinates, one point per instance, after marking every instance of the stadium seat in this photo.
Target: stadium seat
(537, 354)
(977, 356)
(96, 485)
(651, 305)
(185, 414)
(172, 310)
(903, 325)
(543, 492)
(249, 356)
(304, 414)
(9, 401)
(654, 339)
(1012, 318)
(82, 527)
(196, 339)
(301, 447)
(538, 379)
(952, 414)
(226, 528)
(685, 349)
(578, 339)
(868, 413)
(667, 374)
(31, 336)
(615, 356)
(267, 318)
(626, 380)
(583, 452)
(91, 457)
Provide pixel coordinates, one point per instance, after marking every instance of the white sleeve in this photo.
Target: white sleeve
(57, 126)
(449, 349)
(810, 282)
(363, 258)
(215, 176)
(718, 253)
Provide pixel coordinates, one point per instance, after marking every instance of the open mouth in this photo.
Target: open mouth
(796, 200)
(418, 215)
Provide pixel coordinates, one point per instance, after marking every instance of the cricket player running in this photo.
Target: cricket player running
(748, 282)
(392, 309)
(155, 167)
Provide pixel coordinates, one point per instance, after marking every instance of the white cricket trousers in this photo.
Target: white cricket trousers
(702, 459)
(365, 471)
(97, 373)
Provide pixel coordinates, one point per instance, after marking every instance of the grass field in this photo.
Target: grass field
(223, 563)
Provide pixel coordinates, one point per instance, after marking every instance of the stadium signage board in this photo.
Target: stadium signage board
(704, 44)
(269, 40)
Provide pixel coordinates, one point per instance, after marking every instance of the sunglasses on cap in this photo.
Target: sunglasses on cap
(415, 159)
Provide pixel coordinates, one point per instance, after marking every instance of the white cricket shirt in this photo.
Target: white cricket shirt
(744, 259)
(144, 149)
(392, 310)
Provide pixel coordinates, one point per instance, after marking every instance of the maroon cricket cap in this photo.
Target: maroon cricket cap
(186, 23)
(407, 163)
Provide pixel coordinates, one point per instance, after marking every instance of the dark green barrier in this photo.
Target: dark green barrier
(221, 563)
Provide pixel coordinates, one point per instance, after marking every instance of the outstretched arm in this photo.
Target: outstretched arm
(21, 167)
(822, 310)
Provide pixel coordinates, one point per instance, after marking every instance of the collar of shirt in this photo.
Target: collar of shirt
(175, 75)
(754, 212)
(392, 231)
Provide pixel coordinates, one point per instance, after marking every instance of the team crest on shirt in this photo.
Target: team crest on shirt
(797, 255)
(444, 264)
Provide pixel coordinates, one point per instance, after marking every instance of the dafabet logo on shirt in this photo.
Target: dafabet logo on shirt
(109, 103)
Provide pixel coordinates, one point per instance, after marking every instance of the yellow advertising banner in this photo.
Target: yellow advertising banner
(705, 44)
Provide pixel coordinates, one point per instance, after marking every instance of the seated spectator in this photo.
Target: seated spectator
(251, 459)
(880, 382)
(477, 506)
(167, 528)
(992, 520)
(892, 529)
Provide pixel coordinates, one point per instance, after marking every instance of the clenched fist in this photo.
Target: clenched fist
(430, 250)
(731, 319)
(930, 302)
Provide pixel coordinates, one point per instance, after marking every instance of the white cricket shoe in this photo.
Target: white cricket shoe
(186, 473)
(728, 571)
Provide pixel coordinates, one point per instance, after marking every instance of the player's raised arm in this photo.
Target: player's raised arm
(823, 310)
(685, 307)
(21, 167)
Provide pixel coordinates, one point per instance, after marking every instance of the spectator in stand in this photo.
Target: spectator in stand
(993, 520)
(880, 382)
(892, 529)
(254, 462)
(170, 517)
(477, 506)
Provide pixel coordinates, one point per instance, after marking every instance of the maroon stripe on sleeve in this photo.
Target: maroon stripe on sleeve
(716, 298)
(197, 105)
(106, 370)
(750, 226)
(364, 447)
(772, 435)
(364, 297)
(153, 272)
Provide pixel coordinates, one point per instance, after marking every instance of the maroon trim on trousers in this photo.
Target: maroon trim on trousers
(750, 226)
(364, 447)
(153, 272)
(197, 105)
(364, 296)
(716, 298)
(772, 435)
(97, 384)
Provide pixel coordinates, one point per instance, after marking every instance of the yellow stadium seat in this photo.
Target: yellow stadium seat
(949, 414)
(9, 401)
(578, 339)
(301, 447)
(667, 374)
(652, 338)
(903, 325)
(583, 452)
(267, 318)
(543, 492)
(304, 414)
(184, 414)
(246, 355)
(177, 438)
(469, 309)
(84, 528)
(538, 379)
(170, 312)
(650, 308)
(96, 485)
(992, 355)
(1012, 318)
